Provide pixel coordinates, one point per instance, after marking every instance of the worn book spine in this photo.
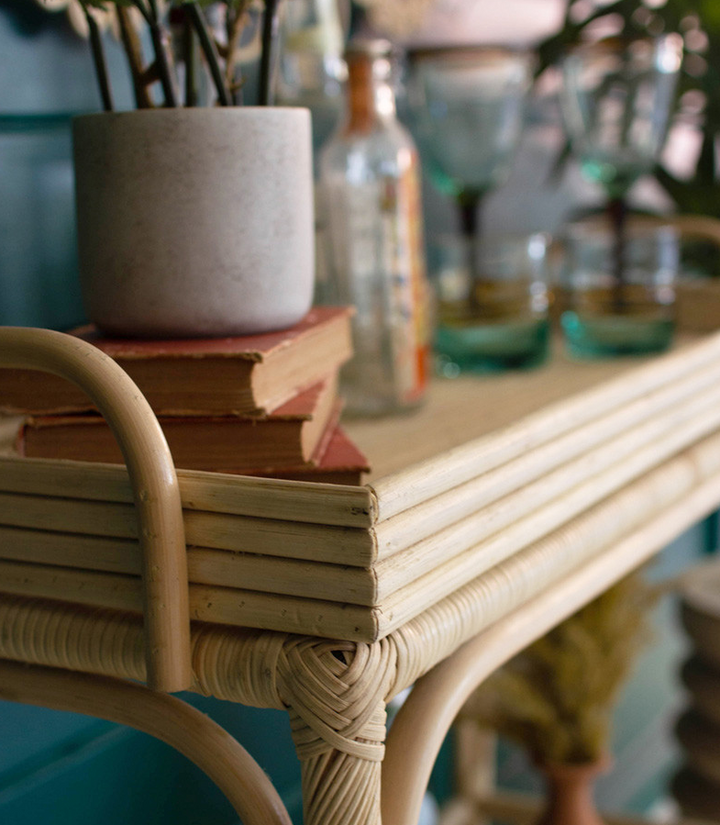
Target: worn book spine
(250, 375)
(287, 438)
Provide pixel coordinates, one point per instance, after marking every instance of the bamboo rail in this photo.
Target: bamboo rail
(336, 691)
(167, 718)
(353, 577)
(153, 479)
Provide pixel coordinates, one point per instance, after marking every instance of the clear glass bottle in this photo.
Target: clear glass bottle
(369, 174)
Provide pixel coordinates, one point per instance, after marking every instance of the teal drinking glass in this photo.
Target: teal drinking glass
(495, 318)
(603, 317)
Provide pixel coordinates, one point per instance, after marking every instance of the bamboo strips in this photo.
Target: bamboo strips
(520, 617)
(306, 554)
(451, 512)
(339, 545)
(646, 514)
(221, 605)
(267, 542)
(248, 571)
(425, 480)
(528, 532)
(522, 569)
(452, 555)
(527, 514)
(563, 558)
(69, 515)
(357, 547)
(410, 526)
(301, 501)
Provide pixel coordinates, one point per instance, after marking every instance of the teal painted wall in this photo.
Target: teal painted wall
(59, 768)
(38, 283)
(46, 76)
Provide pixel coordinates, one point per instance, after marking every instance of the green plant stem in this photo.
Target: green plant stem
(98, 53)
(208, 46)
(468, 203)
(235, 16)
(617, 212)
(231, 28)
(190, 62)
(163, 67)
(133, 52)
(162, 64)
(269, 35)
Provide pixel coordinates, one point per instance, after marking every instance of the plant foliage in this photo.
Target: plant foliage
(699, 94)
(556, 698)
(182, 33)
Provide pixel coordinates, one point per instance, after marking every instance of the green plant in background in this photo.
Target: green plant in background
(556, 698)
(179, 33)
(699, 91)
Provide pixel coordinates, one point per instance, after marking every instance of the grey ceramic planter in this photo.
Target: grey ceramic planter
(195, 222)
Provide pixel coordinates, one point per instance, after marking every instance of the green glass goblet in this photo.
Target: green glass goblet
(617, 97)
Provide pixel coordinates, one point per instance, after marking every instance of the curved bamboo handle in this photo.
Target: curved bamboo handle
(167, 718)
(154, 483)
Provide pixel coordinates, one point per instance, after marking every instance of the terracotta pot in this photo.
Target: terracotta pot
(195, 222)
(569, 799)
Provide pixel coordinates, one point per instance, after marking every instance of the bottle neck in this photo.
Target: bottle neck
(371, 99)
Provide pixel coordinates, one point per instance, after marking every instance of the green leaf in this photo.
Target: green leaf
(698, 195)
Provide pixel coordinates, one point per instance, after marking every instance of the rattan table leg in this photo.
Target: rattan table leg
(336, 693)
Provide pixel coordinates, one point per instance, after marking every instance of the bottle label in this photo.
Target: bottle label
(404, 259)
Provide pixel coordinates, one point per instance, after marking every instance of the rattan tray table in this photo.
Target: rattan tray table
(494, 513)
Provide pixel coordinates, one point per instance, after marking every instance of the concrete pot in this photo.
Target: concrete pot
(195, 222)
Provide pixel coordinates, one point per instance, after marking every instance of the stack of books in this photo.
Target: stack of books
(265, 405)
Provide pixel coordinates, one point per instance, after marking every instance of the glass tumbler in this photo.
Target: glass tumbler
(603, 317)
(492, 316)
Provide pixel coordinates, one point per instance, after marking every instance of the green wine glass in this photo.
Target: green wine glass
(617, 97)
(467, 107)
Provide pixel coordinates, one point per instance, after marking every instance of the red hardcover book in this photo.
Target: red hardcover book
(249, 375)
(340, 461)
(288, 437)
